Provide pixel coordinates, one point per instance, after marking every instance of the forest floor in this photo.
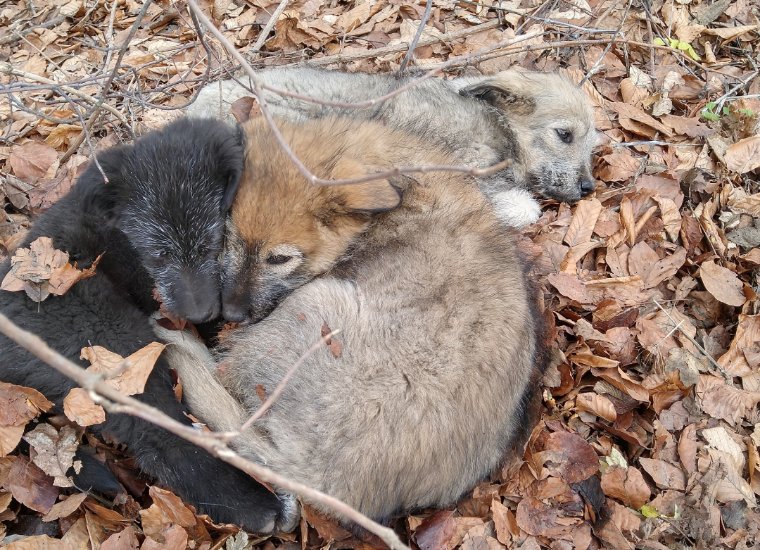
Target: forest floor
(650, 426)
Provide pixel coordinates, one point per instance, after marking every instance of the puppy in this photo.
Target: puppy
(542, 122)
(426, 387)
(158, 220)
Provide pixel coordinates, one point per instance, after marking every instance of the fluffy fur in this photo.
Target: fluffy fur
(542, 122)
(439, 347)
(166, 193)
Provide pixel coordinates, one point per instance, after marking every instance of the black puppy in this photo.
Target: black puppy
(158, 221)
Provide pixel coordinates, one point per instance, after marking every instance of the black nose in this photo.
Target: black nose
(587, 187)
(234, 313)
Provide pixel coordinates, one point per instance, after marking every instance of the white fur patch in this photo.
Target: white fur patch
(516, 207)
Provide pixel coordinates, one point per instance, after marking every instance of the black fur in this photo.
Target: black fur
(169, 192)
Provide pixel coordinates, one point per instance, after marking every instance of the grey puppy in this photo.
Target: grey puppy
(427, 385)
(542, 122)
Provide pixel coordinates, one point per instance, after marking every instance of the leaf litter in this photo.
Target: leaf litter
(650, 428)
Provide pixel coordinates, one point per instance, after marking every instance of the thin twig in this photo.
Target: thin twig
(7, 68)
(285, 379)
(115, 402)
(264, 34)
(417, 36)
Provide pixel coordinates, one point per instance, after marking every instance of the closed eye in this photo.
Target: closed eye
(565, 135)
(278, 259)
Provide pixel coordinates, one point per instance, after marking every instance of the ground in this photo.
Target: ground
(650, 427)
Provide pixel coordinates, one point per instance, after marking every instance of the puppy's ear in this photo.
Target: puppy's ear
(102, 185)
(507, 91)
(369, 197)
(231, 163)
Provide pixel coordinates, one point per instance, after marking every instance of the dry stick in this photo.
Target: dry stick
(709, 357)
(116, 402)
(417, 36)
(18, 35)
(305, 172)
(268, 28)
(285, 379)
(7, 68)
(592, 71)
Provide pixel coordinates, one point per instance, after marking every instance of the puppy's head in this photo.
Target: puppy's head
(284, 231)
(551, 120)
(176, 186)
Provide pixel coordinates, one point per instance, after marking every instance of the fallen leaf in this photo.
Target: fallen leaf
(10, 436)
(746, 339)
(596, 404)
(126, 375)
(30, 486)
(664, 474)
(32, 161)
(80, 408)
(65, 508)
(627, 485)
(54, 451)
(567, 456)
(123, 540)
(584, 219)
(722, 283)
(18, 405)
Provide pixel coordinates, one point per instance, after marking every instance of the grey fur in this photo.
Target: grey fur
(440, 341)
(484, 120)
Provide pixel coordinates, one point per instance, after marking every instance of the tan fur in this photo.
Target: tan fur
(426, 389)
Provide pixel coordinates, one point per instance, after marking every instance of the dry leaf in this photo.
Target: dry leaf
(627, 485)
(54, 451)
(746, 340)
(18, 405)
(33, 161)
(80, 408)
(126, 375)
(664, 474)
(596, 404)
(722, 283)
(65, 508)
(584, 219)
(30, 486)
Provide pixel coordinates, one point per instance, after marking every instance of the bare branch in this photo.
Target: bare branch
(264, 34)
(115, 402)
(417, 36)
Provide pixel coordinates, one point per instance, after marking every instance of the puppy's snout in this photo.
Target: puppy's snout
(196, 297)
(587, 186)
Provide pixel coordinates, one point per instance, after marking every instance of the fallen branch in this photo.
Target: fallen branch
(116, 402)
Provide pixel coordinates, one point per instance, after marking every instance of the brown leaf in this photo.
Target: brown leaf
(631, 113)
(167, 508)
(744, 155)
(722, 401)
(540, 519)
(436, 531)
(79, 408)
(584, 219)
(65, 508)
(502, 521)
(567, 456)
(627, 485)
(687, 448)
(30, 486)
(32, 161)
(41, 270)
(54, 451)
(123, 540)
(596, 404)
(128, 375)
(18, 405)
(172, 537)
(10, 436)
(664, 474)
(722, 283)
(747, 339)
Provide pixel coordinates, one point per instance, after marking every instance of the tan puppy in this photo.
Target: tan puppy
(427, 387)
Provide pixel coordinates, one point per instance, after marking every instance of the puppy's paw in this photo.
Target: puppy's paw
(290, 514)
(516, 207)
